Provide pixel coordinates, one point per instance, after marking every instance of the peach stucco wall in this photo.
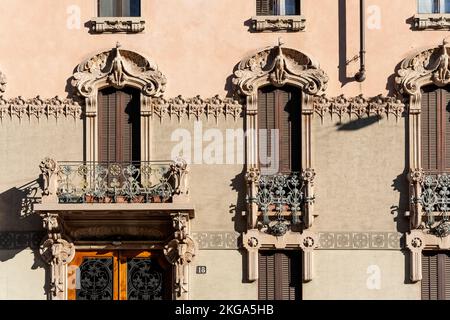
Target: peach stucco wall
(197, 43)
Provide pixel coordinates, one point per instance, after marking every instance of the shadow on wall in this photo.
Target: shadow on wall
(359, 123)
(237, 209)
(19, 227)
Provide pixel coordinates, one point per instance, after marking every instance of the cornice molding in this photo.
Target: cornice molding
(117, 24)
(358, 106)
(38, 108)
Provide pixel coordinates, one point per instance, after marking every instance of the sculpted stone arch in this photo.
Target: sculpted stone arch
(279, 66)
(425, 67)
(117, 68)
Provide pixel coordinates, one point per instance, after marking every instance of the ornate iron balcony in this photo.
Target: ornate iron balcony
(96, 182)
(280, 196)
(431, 198)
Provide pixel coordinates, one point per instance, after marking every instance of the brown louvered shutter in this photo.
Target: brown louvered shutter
(266, 283)
(279, 275)
(119, 125)
(289, 106)
(266, 123)
(430, 133)
(429, 276)
(265, 7)
(446, 274)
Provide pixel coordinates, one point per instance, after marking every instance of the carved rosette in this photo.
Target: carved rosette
(279, 66)
(429, 66)
(118, 67)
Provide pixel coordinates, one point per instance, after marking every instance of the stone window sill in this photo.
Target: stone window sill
(117, 24)
(432, 21)
(278, 23)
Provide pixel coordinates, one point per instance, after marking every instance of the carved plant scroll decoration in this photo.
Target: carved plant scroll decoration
(119, 67)
(425, 67)
(279, 66)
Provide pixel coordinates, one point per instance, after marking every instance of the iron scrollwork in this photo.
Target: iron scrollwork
(147, 182)
(280, 194)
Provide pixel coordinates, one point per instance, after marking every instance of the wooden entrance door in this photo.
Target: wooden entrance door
(119, 275)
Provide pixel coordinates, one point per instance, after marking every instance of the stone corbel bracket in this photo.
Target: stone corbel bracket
(117, 24)
(279, 23)
(180, 252)
(254, 241)
(58, 253)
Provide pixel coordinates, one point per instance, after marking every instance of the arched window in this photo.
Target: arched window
(435, 129)
(119, 125)
(279, 122)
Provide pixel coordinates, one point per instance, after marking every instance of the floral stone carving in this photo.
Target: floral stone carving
(279, 66)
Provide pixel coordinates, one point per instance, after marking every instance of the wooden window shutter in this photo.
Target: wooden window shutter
(446, 276)
(445, 105)
(429, 276)
(266, 121)
(265, 7)
(119, 125)
(430, 130)
(266, 283)
(279, 275)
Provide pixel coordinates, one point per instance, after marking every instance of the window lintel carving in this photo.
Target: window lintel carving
(117, 24)
(118, 68)
(279, 23)
(432, 21)
(279, 66)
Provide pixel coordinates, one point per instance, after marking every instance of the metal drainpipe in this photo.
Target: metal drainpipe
(361, 75)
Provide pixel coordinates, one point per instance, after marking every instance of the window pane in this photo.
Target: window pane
(445, 6)
(131, 8)
(425, 6)
(107, 8)
(291, 7)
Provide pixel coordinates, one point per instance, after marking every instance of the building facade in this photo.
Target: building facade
(228, 149)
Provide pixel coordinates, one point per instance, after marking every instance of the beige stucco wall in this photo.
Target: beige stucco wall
(224, 277)
(22, 275)
(344, 274)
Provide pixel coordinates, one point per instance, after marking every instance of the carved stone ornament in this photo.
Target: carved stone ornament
(117, 68)
(117, 24)
(433, 21)
(279, 66)
(430, 66)
(279, 23)
(2, 82)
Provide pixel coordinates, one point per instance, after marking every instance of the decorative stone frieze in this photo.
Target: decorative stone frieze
(216, 240)
(196, 107)
(359, 106)
(279, 23)
(359, 240)
(433, 21)
(117, 24)
(38, 108)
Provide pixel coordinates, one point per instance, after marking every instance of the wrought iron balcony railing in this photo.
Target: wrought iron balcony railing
(96, 182)
(281, 199)
(430, 201)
